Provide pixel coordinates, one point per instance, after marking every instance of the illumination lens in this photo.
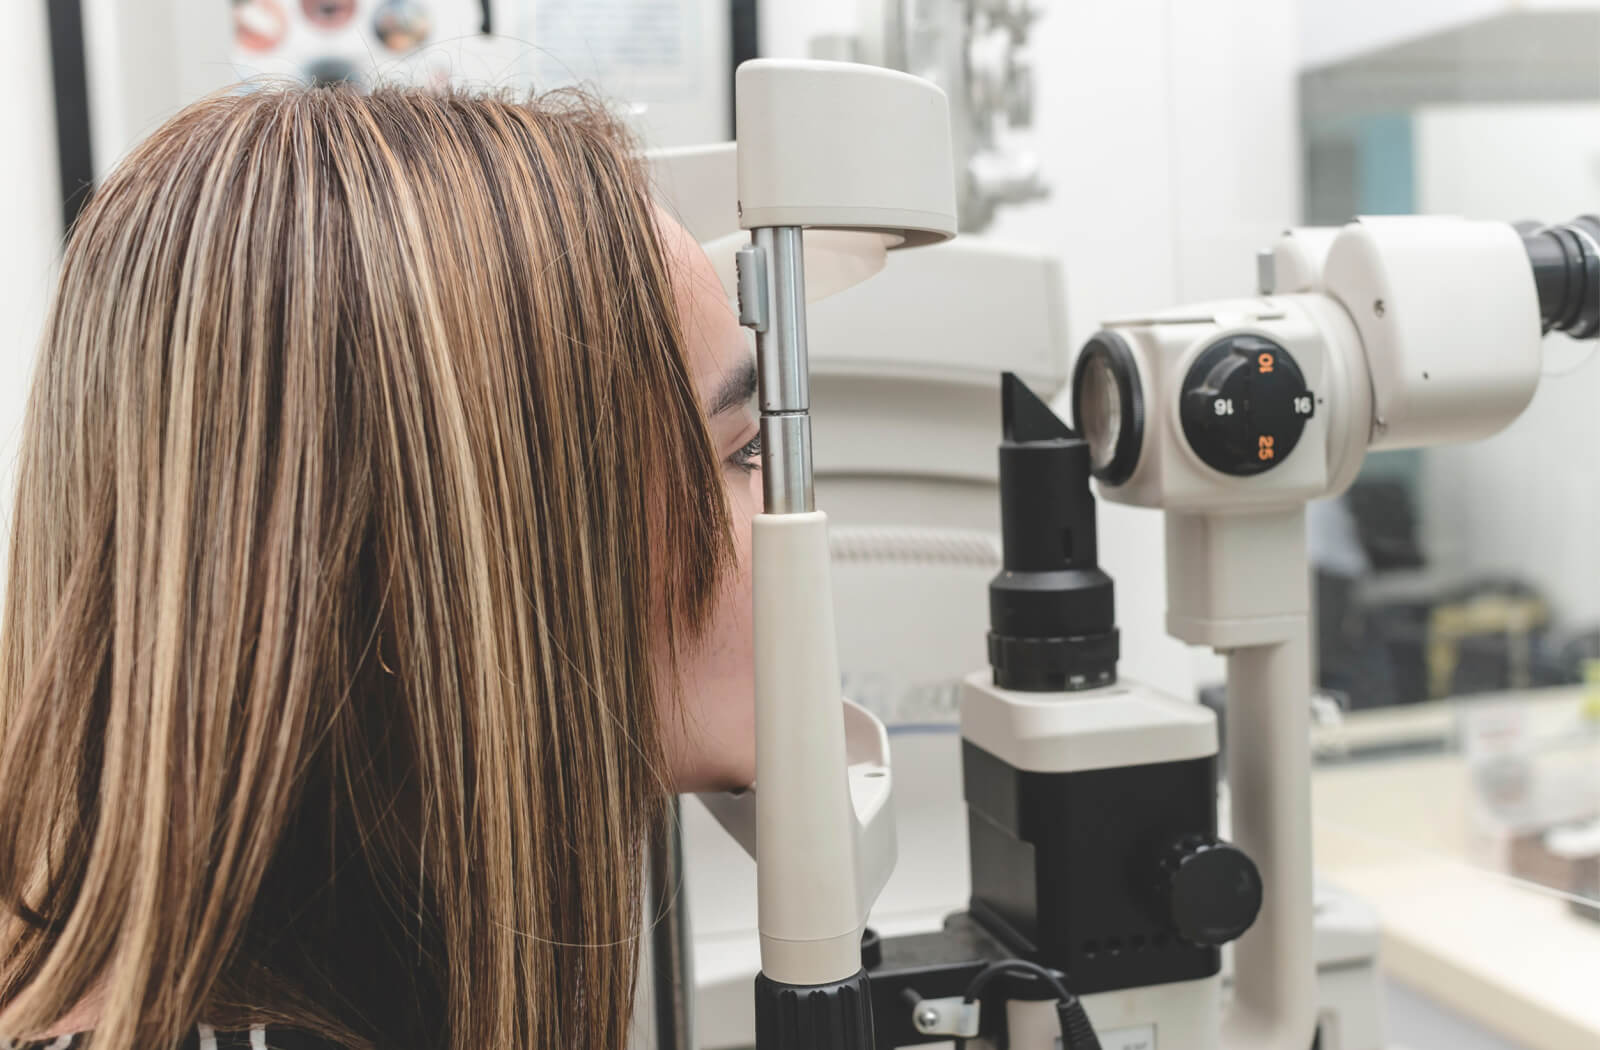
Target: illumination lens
(1099, 409)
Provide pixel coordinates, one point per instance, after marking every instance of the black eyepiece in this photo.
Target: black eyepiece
(1051, 612)
(1566, 270)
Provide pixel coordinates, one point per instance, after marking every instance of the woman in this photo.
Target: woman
(378, 570)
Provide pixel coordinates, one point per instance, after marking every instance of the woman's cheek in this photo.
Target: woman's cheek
(711, 744)
(739, 698)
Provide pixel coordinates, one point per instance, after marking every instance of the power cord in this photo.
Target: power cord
(1076, 1031)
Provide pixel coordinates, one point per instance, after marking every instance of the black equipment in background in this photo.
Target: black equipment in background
(74, 153)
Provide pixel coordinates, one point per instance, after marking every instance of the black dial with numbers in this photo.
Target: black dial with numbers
(1244, 405)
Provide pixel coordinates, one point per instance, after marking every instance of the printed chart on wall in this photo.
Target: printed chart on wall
(663, 62)
(646, 46)
(364, 42)
(668, 59)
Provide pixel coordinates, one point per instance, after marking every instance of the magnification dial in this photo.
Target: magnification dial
(1244, 404)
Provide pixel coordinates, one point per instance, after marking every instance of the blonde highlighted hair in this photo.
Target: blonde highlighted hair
(363, 482)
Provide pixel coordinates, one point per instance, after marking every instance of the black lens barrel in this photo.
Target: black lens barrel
(1052, 616)
(1566, 271)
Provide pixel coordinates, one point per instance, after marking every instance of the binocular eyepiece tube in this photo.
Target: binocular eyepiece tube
(1566, 271)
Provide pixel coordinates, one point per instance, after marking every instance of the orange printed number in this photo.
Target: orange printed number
(1264, 447)
(1265, 361)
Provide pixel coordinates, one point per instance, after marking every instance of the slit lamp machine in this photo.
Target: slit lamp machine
(1102, 890)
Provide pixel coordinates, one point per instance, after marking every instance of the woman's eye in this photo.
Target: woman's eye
(748, 457)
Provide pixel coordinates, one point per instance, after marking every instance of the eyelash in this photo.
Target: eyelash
(748, 457)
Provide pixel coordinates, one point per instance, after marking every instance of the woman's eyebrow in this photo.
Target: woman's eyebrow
(738, 387)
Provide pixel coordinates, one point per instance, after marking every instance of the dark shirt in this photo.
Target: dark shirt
(202, 1038)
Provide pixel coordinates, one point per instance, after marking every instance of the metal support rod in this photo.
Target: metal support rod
(672, 985)
(1269, 782)
(772, 285)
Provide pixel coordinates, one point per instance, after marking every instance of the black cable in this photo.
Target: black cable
(1076, 1031)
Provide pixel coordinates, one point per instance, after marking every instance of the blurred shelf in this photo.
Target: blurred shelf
(1398, 833)
(1431, 726)
(1481, 52)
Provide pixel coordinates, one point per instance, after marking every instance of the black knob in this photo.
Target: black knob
(1211, 889)
(1244, 405)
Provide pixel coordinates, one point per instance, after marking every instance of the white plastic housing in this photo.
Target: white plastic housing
(1126, 724)
(1298, 258)
(1449, 317)
(845, 146)
(866, 742)
(1237, 579)
(814, 872)
(699, 186)
(1320, 337)
(917, 320)
(905, 373)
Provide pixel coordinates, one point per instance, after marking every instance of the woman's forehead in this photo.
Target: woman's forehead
(714, 342)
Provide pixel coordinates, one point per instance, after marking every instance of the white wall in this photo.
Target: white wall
(1332, 30)
(30, 207)
(146, 59)
(786, 26)
(1525, 501)
(30, 216)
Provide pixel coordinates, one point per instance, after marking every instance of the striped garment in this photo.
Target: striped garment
(204, 1037)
